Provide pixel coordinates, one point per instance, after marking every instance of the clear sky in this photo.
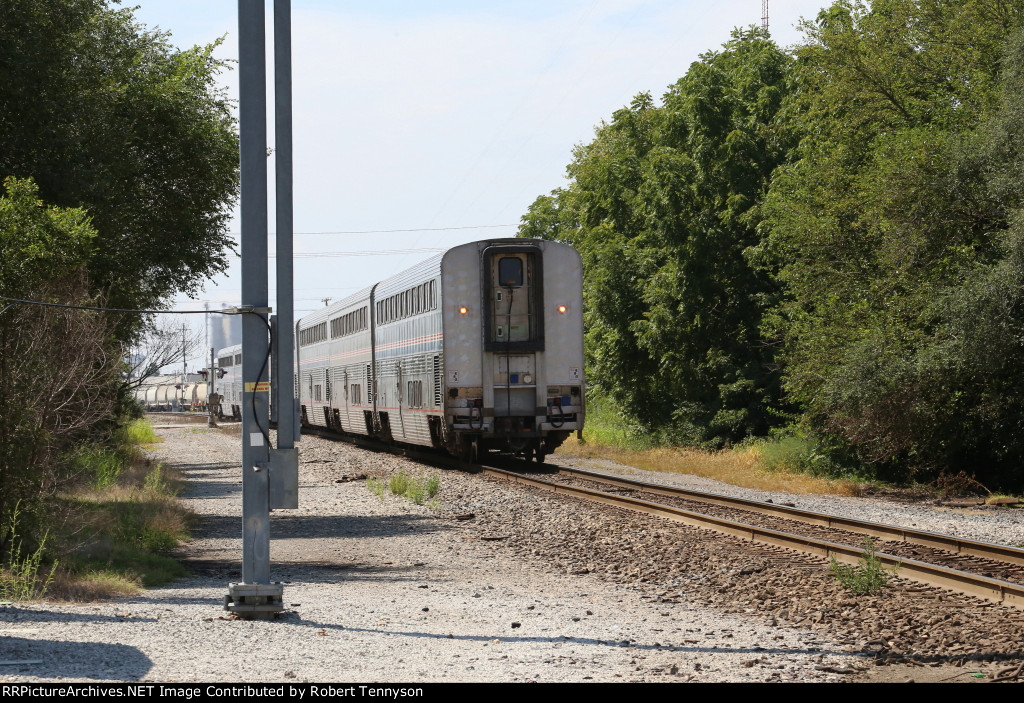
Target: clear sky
(449, 114)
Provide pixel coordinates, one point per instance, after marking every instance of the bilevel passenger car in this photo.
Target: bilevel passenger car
(228, 383)
(476, 349)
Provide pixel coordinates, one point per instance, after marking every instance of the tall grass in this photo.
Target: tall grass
(108, 531)
(769, 465)
(121, 522)
(415, 489)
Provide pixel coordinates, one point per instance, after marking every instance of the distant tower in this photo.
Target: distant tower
(764, 14)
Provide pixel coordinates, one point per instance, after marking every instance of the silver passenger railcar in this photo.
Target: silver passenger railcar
(229, 381)
(476, 349)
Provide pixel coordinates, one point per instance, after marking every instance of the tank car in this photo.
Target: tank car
(477, 349)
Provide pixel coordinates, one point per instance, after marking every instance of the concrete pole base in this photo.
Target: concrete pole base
(254, 601)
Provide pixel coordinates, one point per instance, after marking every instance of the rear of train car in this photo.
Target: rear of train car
(479, 349)
(229, 381)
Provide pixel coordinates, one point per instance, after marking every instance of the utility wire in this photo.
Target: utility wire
(16, 301)
(391, 231)
(366, 252)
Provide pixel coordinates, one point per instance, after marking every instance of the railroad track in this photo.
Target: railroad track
(988, 571)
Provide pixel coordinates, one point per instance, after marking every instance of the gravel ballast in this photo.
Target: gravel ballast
(382, 590)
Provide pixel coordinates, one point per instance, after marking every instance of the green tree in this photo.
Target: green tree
(59, 368)
(103, 114)
(97, 116)
(875, 227)
(664, 206)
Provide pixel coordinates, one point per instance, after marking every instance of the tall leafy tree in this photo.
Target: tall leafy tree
(664, 206)
(119, 157)
(106, 115)
(885, 213)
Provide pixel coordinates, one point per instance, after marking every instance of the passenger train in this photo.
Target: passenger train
(228, 383)
(477, 349)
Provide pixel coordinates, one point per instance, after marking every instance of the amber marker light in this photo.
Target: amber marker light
(463, 310)
(562, 309)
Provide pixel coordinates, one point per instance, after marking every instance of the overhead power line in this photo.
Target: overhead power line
(390, 231)
(383, 252)
(365, 252)
(226, 311)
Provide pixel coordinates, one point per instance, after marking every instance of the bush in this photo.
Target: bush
(809, 454)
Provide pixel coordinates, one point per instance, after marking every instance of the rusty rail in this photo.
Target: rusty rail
(929, 574)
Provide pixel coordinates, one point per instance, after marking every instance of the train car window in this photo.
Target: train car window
(238, 358)
(510, 271)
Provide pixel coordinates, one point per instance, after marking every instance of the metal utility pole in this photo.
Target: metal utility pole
(211, 421)
(255, 596)
(764, 14)
(269, 476)
(287, 410)
(184, 364)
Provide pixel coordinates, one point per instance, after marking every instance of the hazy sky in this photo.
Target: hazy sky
(449, 114)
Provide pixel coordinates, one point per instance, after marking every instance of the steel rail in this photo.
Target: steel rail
(999, 552)
(984, 587)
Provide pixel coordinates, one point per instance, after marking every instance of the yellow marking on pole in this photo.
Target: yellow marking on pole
(259, 387)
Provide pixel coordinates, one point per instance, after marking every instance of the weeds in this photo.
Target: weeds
(20, 578)
(112, 528)
(137, 433)
(866, 578)
(415, 490)
(156, 482)
(377, 486)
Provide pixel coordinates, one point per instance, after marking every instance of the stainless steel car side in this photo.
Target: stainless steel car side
(477, 349)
